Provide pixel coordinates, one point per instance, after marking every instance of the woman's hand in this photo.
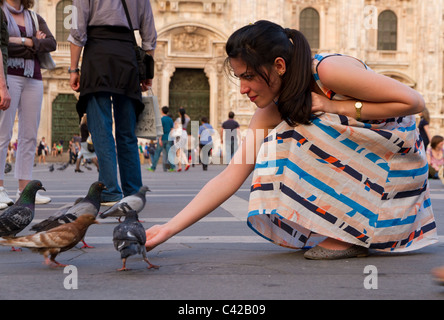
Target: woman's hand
(40, 35)
(156, 235)
(322, 104)
(5, 98)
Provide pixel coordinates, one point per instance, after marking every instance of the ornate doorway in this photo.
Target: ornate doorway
(189, 88)
(65, 120)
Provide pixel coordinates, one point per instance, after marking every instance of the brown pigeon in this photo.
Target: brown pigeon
(59, 239)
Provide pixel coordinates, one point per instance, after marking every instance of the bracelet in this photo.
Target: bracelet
(23, 41)
(358, 107)
(76, 70)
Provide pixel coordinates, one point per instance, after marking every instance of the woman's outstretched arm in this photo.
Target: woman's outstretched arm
(224, 185)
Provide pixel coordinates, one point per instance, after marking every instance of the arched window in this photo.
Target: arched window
(387, 30)
(309, 26)
(61, 32)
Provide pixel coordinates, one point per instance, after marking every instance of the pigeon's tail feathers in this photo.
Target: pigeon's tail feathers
(39, 240)
(112, 212)
(127, 248)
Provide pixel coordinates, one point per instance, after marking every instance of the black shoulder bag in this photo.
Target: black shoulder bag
(144, 61)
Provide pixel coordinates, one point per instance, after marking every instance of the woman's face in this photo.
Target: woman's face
(254, 86)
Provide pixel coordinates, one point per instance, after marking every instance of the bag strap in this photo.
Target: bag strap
(129, 21)
(36, 21)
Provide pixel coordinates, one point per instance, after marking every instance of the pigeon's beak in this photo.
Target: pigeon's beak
(43, 188)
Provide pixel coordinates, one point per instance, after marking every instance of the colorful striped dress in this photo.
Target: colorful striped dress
(364, 183)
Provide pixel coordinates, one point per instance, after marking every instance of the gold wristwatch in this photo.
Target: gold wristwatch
(358, 107)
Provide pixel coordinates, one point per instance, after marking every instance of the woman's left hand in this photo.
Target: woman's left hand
(40, 35)
(322, 104)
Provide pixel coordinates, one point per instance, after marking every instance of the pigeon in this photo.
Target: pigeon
(51, 168)
(18, 216)
(60, 213)
(63, 167)
(90, 204)
(59, 239)
(129, 237)
(136, 202)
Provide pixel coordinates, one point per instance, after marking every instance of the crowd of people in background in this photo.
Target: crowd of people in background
(179, 148)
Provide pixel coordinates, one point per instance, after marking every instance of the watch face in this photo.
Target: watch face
(358, 105)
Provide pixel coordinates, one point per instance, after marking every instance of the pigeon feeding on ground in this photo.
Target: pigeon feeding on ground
(59, 239)
(18, 216)
(136, 202)
(90, 204)
(129, 237)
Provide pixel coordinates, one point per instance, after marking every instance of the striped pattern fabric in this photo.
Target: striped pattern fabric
(364, 183)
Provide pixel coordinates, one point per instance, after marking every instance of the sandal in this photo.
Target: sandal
(320, 253)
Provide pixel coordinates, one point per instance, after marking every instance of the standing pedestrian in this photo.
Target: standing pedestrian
(42, 151)
(206, 131)
(25, 87)
(163, 143)
(181, 139)
(230, 136)
(5, 98)
(85, 153)
(109, 82)
(340, 170)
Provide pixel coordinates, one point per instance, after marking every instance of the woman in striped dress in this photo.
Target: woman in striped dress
(338, 163)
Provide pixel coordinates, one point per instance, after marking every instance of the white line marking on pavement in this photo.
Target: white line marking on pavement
(237, 206)
(190, 239)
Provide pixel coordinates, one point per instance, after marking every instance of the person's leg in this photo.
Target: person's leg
(100, 125)
(167, 145)
(29, 109)
(127, 148)
(7, 118)
(156, 156)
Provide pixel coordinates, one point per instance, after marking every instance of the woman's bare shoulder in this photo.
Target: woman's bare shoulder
(266, 118)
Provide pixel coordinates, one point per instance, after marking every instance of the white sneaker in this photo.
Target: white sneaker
(3, 206)
(39, 199)
(4, 198)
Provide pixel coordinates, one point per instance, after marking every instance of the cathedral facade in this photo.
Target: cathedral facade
(402, 39)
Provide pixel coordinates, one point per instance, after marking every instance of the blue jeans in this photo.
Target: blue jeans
(166, 145)
(100, 125)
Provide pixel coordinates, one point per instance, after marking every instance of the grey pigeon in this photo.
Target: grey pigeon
(63, 167)
(59, 214)
(129, 237)
(89, 205)
(136, 202)
(18, 216)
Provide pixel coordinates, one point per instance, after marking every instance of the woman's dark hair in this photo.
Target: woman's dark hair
(436, 140)
(182, 114)
(258, 45)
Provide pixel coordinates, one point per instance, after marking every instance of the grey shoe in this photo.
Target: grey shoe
(319, 253)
